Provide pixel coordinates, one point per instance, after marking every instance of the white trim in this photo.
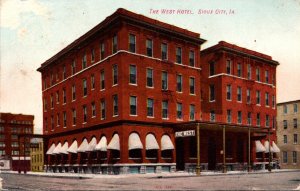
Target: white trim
(21, 158)
(108, 57)
(230, 75)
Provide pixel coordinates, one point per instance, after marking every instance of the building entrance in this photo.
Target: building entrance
(180, 153)
(211, 154)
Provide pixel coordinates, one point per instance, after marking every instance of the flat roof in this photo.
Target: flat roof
(288, 102)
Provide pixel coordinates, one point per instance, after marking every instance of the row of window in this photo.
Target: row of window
(37, 158)
(285, 123)
(131, 48)
(285, 157)
(249, 118)
(285, 139)
(240, 73)
(295, 108)
(132, 81)
(2, 136)
(133, 102)
(212, 95)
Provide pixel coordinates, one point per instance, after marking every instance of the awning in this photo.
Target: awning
(92, 144)
(102, 145)
(50, 150)
(114, 143)
(151, 142)
(266, 144)
(134, 142)
(64, 148)
(83, 147)
(73, 147)
(275, 148)
(57, 149)
(166, 143)
(259, 147)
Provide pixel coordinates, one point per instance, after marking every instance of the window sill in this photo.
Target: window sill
(93, 116)
(179, 92)
(150, 87)
(102, 118)
(151, 158)
(84, 123)
(65, 127)
(179, 119)
(228, 100)
(211, 101)
(132, 84)
(115, 115)
(102, 90)
(258, 105)
(165, 118)
(73, 125)
(166, 158)
(114, 85)
(135, 158)
(192, 94)
(239, 101)
(151, 117)
(133, 115)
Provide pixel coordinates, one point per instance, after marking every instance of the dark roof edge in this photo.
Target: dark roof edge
(288, 102)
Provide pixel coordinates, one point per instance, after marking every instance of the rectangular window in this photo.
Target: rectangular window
(57, 120)
(149, 47)
(273, 101)
(228, 66)
(102, 80)
(285, 109)
(295, 138)
(228, 116)
(212, 93)
(192, 58)
(258, 97)
(212, 116)
(294, 157)
(132, 75)
(178, 55)
(295, 122)
(102, 109)
(295, 108)
(179, 110)
(248, 96)
(65, 119)
(284, 157)
(267, 98)
(239, 117)
(267, 121)
(133, 103)
(115, 105)
(285, 124)
(257, 74)
(57, 97)
(274, 122)
(239, 70)
(267, 76)
(52, 79)
(249, 118)
(115, 74)
(84, 63)
(92, 81)
(84, 87)
(51, 100)
(179, 83)
(273, 79)
(150, 109)
(149, 77)
(164, 80)
(258, 119)
(228, 92)
(84, 111)
(114, 44)
(45, 104)
(74, 116)
(93, 55)
(192, 112)
(212, 68)
(73, 92)
(239, 94)
(165, 109)
(73, 67)
(132, 42)
(64, 96)
(64, 72)
(52, 123)
(249, 71)
(192, 85)
(102, 50)
(285, 139)
(93, 110)
(164, 51)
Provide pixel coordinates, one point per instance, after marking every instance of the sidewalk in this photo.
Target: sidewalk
(149, 175)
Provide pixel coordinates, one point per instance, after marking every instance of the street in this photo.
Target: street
(264, 181)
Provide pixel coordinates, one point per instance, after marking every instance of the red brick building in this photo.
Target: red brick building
(12, 126)
(112, 97)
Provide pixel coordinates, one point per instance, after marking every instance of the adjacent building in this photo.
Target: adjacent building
(13, 141)
(128, 96)
(37, 155)
(288, 132)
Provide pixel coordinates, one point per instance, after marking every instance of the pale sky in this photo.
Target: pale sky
(32, 31)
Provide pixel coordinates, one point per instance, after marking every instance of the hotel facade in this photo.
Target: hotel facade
(128, 96)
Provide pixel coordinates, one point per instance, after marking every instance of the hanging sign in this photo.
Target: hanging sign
(189, 133)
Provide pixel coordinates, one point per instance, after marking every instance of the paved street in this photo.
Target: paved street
(266, 181)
